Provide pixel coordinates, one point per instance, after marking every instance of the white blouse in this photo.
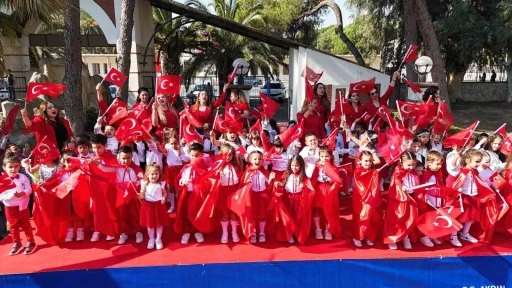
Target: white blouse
(292, 185)
(153, 191)
(259, 182)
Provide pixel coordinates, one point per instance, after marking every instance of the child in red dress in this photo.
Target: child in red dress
(153, 214)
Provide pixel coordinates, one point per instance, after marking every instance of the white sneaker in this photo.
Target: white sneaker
(426, 241)
(437, 241)
(110, 238)
(252, 239)
(357, 242)
(69, 236)
(370, 243)
(139, 237)
(318, 234)
(95, 237)
(407, 243)
(184, 238)
(235, 237)
(159, 244)
(199, 237)
(392, 246)
(328, 235)
(455, 241)
(171, 209)
(224, 238)
(122, 239)
(151, 244)
(80, 235)
(468, 237)
(262, 238)
(291, 240)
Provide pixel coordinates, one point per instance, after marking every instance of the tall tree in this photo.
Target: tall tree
(124, 44)
(339, 27)
(73, 66)
(411, 35)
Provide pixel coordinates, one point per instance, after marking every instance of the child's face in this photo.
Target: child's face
(419, 169)
(295, 167)
(195, 154)
(471, 143)
(366, 161)
(312, 142)
(436, 138)
(70, 145)
(230, 136)
(324, 157)
(279, 150)
(496, 144)
(154, 175)
(98, 149)
(359, 129)
(474, 162)
(435, 165)
(409, 165)
(486, 162)
(415, 147)
(110, 131)
(12, 168)
(424, 138)
(125, 158)
(15, 149)
(82, 149)
(66, 164)
(2, 124)
(245, 132)
(174, 144)
(256, 141)
(255, 160)
(229, 156)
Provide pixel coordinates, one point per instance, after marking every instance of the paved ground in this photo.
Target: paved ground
(491, 115)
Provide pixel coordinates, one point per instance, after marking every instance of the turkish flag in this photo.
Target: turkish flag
(362, 87)
(437, 223)
(506, 145)
(231, 114)
(409, 110)
(126, 191)
(192, 120)
(411, 55)
(391, 146)
(45, 151)
(264, 139)
(48, 89)
(331, 140)
(498, 181)
(120, 114)
(115, 77)
(190, 134)
(219, 124)
(255, 114)
(331, 172)
(130, 127)
(425, 119)
(399, 129)
(6, 182)
(63, 189)
(411, 85)
(310, 92)
(114, 107)
(292, 134)
(240, 151)
(341, 106)
(269, 106)
(384, 113)
(9, 121)
(444, 119)
(232, 75)
(168, 84)
(311, 75)
(502, 130)
(461, 138)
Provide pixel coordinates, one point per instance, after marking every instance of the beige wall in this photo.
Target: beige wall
(102, 59)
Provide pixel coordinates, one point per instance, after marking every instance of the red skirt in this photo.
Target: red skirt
(259, 204)
(471, 212)
(153, 214)
(225, 193)
(170, 174)
(292, 203)
(322, 190)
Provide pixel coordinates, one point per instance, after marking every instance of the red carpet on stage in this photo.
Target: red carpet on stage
(102, 254)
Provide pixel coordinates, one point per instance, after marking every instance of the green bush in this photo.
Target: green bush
(90, 117)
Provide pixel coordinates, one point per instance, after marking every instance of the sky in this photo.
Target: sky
(329, 20)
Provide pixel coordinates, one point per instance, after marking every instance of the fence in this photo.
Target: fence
(474, 74)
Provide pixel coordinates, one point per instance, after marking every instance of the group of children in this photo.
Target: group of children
(124, 188)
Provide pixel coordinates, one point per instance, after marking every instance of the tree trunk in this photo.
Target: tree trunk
(455, 84)
(432, 47)
(124, 44)
(509, 75)
(411, 36)
(72, 97)
(339, 27)
(170, 65)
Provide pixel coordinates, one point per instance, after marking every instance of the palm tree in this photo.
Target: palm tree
(124, 44)
(224, 47)
(20, 11)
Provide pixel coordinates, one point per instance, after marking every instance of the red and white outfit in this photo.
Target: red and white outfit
(279, 163)
(153, 213)
(366, 205)
(16, 208)
(326, 199)
(310, 157)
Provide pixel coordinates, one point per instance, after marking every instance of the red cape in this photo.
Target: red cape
(483, 229)
(401, 211)
(505, 223)
(366, 204)
(331, 206)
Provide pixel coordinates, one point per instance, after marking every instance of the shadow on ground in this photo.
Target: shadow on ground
(491, 115)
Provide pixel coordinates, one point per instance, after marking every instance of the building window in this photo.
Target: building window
(285, 70)
(105, 68)
(96, 68)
